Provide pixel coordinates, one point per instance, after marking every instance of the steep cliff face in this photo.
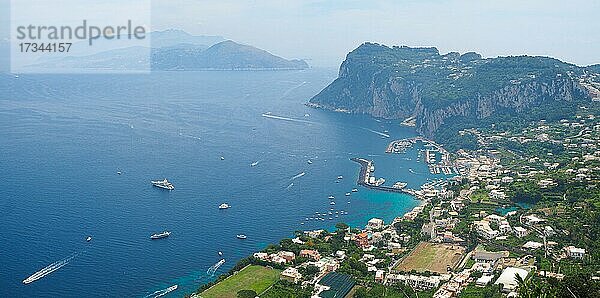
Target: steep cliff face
(402, 82)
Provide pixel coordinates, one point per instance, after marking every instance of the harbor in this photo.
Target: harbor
(364, 178)
(435, 156)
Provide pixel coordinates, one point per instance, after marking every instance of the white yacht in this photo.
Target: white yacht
(164, 234)
(164, 184)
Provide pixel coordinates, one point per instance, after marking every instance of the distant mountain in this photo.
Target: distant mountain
(223, 55)
(444, 93)
(174, 37)
(172, 50)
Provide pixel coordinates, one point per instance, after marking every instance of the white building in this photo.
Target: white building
(532, 245)
(520, 232)
(532, 220)
(261, 256)
(508, 278)
(379, 275)
(375, 223)
(484, 230)
(575, 252)
(505, 228)
(291, 274)
(415, 281)
(484, 280)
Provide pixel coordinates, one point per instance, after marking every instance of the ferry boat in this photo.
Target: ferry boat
(164, 184)
(241, 236)
(224, 206)
(164, 234)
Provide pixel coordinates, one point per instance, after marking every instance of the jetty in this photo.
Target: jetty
(366, 168)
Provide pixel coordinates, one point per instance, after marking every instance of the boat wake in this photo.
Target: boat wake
(190, 136)
(162, 292)
(287, 92)
(49, 269)
(211, 271)
(267, 115)
(385, 135)
(298, 176)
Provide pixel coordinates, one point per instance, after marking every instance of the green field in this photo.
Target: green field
(432, 257)
(253, 277)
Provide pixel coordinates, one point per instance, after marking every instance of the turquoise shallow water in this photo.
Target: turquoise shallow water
(64, 137)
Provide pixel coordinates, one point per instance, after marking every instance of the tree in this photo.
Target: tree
(246, 294)
(340, 226)
(309, 271)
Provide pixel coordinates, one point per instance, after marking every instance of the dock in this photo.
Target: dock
(365, 172)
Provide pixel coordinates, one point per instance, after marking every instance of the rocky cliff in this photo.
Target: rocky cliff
(402, 82)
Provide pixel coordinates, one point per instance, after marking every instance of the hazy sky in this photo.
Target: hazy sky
(324, 31)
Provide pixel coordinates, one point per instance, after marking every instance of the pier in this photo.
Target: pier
(365, 173)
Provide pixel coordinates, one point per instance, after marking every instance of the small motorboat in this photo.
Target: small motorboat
(340, 177)
(88, 239)
(241, 236)
(354, 189)
(309, 162)
(331, 197)
(224, 206)
(332, 203)
(164, 234)
(222, 158)
(347, 194)
(220, 253)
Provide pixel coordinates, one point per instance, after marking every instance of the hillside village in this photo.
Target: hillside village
(525, 206)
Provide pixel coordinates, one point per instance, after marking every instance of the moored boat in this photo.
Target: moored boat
(164, 234)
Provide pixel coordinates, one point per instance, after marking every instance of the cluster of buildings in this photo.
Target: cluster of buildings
(281, 257)
(493, 226)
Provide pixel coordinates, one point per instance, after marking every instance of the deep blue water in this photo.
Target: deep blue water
(64, 137)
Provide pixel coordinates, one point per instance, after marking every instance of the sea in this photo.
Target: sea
(64, 138)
